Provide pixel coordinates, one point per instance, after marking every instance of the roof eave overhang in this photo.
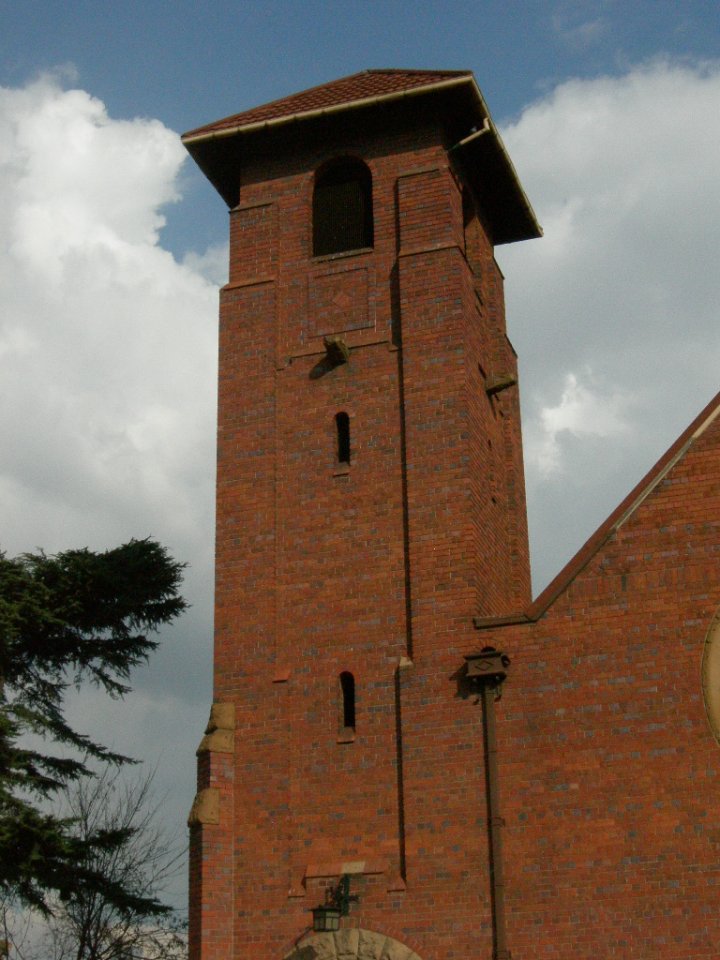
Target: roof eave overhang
(212, 149)
(506, 204)
(203, 134)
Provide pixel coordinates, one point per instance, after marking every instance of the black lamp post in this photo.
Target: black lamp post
(326, 917)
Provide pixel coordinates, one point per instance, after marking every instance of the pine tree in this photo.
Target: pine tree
(69, 619)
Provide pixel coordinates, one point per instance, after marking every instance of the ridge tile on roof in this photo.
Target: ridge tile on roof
(357, 86)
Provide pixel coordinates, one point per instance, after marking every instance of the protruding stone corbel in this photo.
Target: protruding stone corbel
(220, 731)
(337, 350)
(499, 383)
(205, 808)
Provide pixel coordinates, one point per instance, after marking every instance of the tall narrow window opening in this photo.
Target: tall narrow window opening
(342, 427)
(347, 686)
(342, 208)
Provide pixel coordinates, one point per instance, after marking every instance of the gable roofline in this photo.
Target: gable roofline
(234, 124)
(620, 515)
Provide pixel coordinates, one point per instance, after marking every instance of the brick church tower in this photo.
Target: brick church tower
(372, 582)
(370, 504)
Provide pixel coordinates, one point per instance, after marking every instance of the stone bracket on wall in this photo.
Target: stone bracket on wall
(338, 868)
(220, 731)
(219, 738)
(205, 808)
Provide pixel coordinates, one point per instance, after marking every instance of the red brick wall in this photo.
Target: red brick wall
(323, 568)
(610, 773)
(608, 769)
(211, 859)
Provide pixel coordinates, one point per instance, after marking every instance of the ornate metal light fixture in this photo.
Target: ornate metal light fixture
(326, 917)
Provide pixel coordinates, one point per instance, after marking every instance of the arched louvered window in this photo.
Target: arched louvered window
(342, 208)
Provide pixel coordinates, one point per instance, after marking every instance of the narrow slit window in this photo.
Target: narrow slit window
(347, 687)
(342, 428)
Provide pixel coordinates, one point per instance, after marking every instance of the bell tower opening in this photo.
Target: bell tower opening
(342, 207)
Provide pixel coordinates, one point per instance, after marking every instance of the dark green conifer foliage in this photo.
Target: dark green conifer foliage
(76, 617)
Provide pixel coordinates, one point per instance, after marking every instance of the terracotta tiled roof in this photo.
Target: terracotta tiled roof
(358, 86)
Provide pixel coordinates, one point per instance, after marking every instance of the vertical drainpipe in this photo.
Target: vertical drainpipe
(487, 670)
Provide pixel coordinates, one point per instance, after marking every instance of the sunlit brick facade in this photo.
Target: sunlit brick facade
(371, 525)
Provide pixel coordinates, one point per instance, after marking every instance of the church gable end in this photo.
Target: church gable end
(615, 769)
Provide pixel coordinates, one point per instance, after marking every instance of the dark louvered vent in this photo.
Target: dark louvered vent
(342, 208)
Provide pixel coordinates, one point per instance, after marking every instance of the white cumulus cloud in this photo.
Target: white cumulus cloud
(622, 172)
(107, 383)
(580, 413)
(106, 343)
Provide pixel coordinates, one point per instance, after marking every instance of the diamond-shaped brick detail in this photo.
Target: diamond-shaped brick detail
(338, 302)
(342, 300)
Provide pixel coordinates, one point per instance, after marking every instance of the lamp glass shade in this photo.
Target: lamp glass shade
(326, 918)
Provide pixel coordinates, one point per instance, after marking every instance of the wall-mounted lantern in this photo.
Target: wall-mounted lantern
(326, 917)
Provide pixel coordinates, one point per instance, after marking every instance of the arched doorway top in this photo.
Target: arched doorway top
(353, 944)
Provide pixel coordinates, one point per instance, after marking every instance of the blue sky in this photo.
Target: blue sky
(183, 62)
(112, 247)
(187, 63)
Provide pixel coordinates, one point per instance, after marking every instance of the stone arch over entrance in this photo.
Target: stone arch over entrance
(711, 675)
(353, 944)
